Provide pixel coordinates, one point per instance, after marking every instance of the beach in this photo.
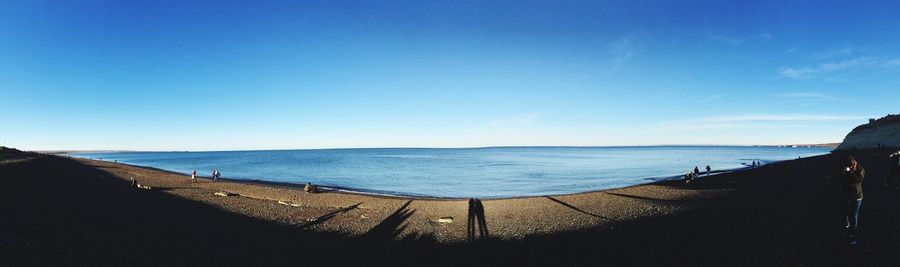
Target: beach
(60, 210)
(488, 172)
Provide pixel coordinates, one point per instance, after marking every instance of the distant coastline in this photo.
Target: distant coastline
(71, 151)
(829, 145)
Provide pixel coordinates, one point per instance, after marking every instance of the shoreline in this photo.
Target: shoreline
(368, 192)
(258, 197)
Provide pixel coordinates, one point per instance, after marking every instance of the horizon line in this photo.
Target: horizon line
(402, 147)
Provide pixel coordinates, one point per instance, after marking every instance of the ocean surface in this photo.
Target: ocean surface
(463, 172)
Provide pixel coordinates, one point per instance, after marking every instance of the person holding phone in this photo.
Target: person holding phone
(851, 179)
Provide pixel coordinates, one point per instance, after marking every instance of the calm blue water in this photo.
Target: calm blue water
(470, 172)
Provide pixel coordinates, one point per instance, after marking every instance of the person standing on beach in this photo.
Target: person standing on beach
(193, 176)
(215, 175)
(708, 170)
(696, 171)
(851, 178)
(894, 159)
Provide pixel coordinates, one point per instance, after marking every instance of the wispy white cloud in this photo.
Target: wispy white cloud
(727, 40)
(739, 40)
(797, 73)
(781, 117)
(836, 52)
(714, 97)
(848, 64)
(754, 121)
(730, 126)
(892, 63)
(662, 95)
(620, 52)
(809, 96)
(831, 67)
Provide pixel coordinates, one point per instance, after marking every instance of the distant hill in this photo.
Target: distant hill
(12, 155)
(63, 152)
(883, 132)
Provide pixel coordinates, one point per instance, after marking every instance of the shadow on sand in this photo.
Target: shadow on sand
(659, 201)
(476, 221)
(575, 208)
(392, 225)
(327, 216)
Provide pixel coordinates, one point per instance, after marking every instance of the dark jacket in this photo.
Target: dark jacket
(852, 182)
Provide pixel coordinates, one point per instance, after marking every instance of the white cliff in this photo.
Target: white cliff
(876, 133)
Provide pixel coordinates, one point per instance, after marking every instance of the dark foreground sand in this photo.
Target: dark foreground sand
(56, 210)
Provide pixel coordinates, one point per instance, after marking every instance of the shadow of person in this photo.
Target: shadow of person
(327, 216)
(392, 225)
(567, 205)
(476, 220)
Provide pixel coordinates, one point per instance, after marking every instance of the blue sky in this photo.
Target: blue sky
(223, 75)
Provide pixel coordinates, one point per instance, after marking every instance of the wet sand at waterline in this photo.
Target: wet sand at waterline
(59, 210)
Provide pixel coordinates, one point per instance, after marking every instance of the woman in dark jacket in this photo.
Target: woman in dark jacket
(851, 179)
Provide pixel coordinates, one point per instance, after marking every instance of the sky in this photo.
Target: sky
(235, 75)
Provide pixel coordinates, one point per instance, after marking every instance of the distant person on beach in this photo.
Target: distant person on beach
(851, 179)
(708, 170)
(215, 175)
(696, 171)
(193, 176)
(688, 178)
(894, 165)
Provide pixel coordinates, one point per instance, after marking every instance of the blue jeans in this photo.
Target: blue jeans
(853, 214)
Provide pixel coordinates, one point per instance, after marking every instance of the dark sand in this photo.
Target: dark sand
(61, 211)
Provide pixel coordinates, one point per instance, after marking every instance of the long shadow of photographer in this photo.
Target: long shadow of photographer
(476, 220)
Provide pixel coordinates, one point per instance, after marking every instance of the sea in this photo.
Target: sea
(493, 172)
